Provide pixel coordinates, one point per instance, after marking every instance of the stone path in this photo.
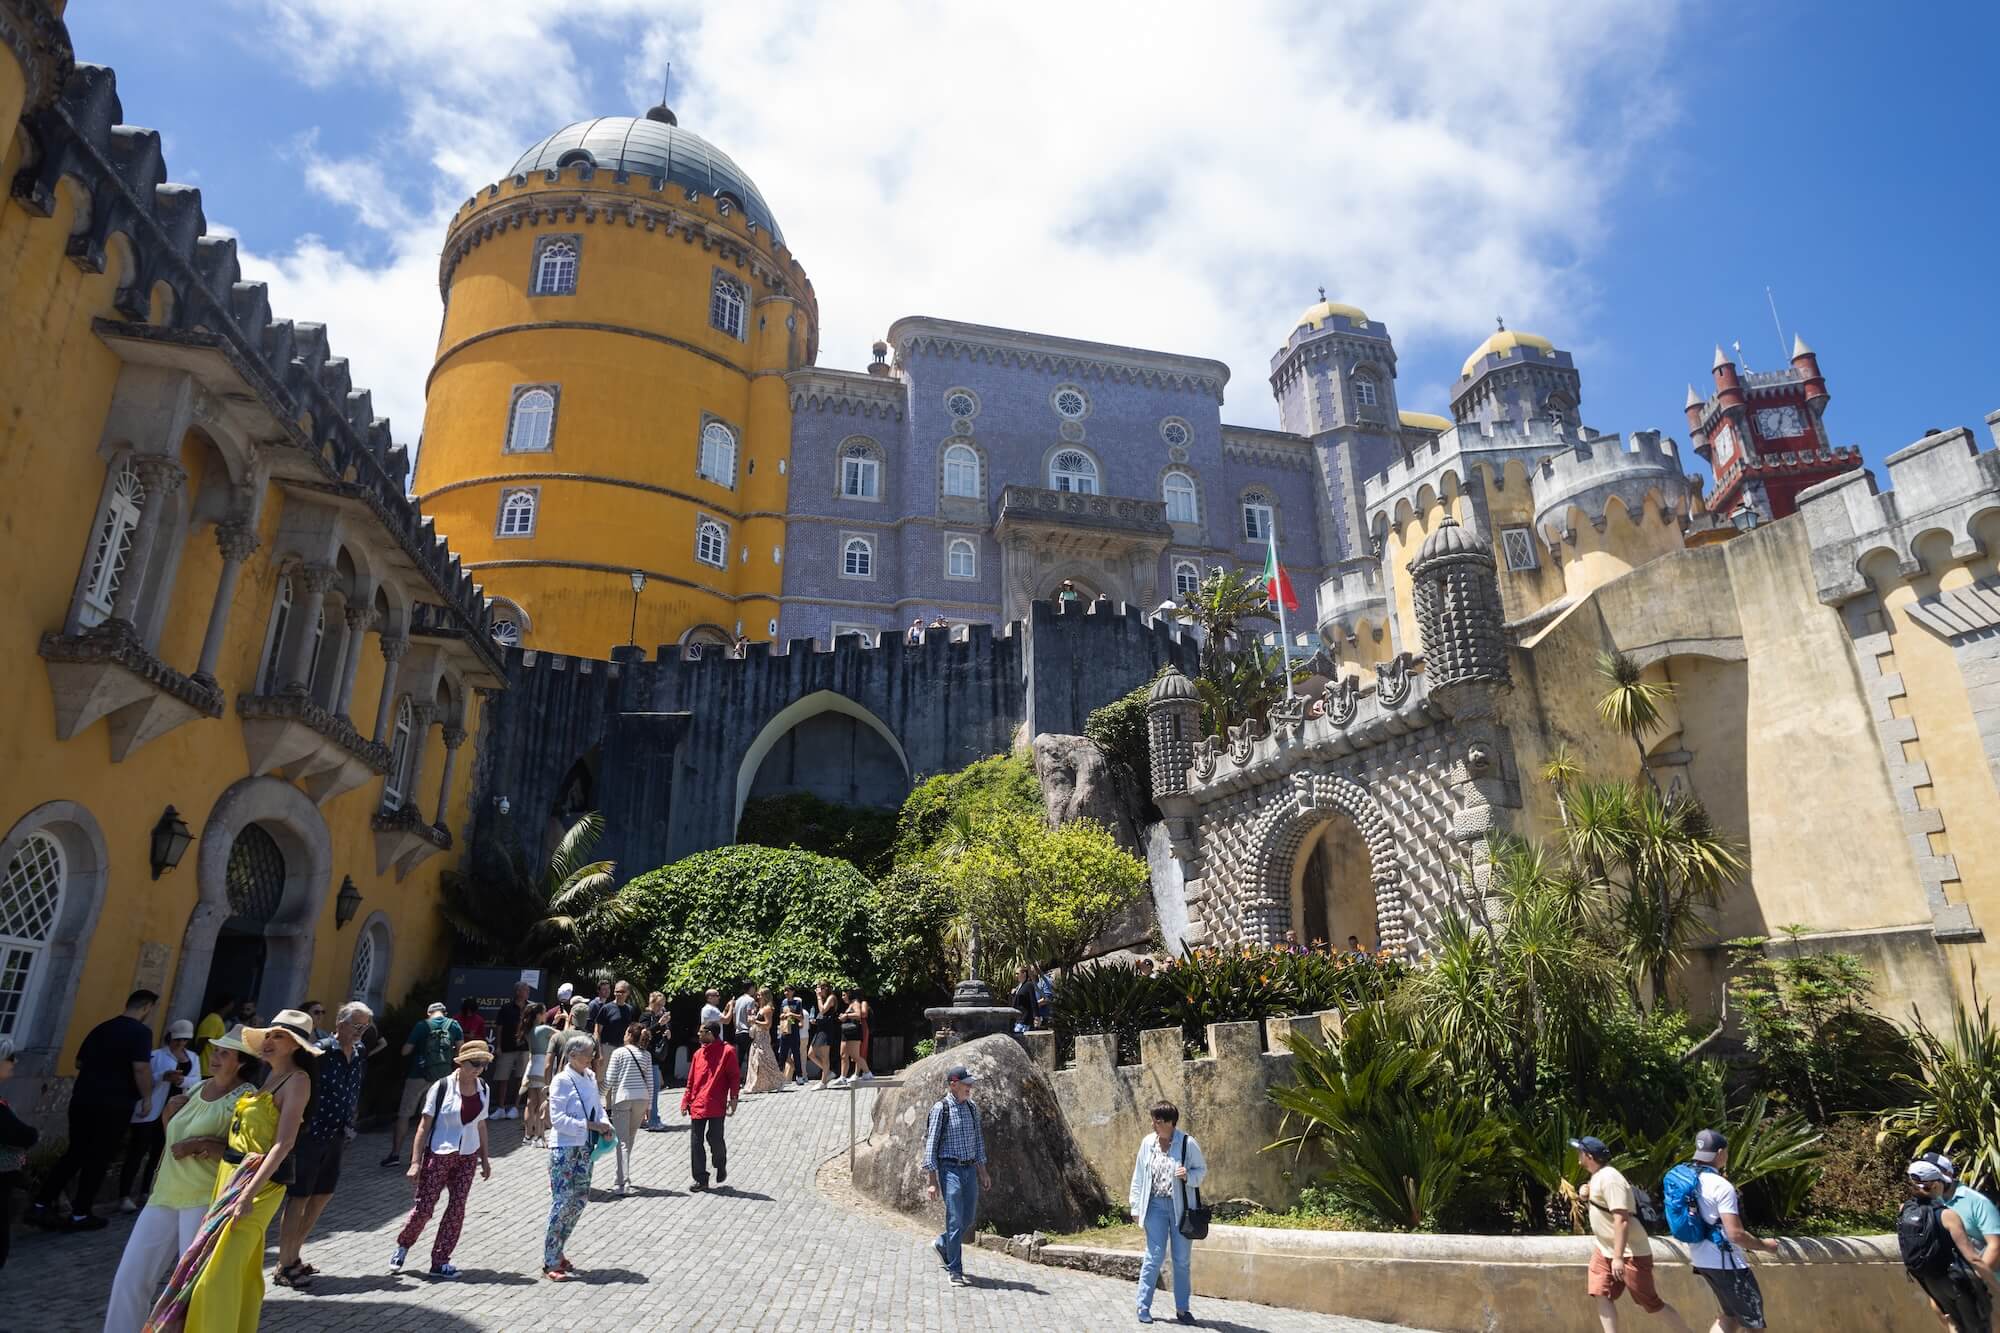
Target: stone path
(769, 1252)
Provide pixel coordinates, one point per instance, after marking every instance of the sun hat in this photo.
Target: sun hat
(1707, 1144)
(180, 1030)
(293, 1023)
(473, 1050)
(232, 1040)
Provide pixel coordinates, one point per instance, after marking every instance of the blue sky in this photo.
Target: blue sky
(1624, 179)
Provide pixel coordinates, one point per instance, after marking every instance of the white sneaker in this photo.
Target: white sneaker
(867, 1076)
(396, 1259)
(838, 1083)
(127, 1206)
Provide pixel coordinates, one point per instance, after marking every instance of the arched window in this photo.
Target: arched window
(711, 543)
(860, 472)
(533, 425)
(1258, 515)
(961, 471)
(397, 780)
(718, 454)
(726, 303)
(517, 514)
(1073, 470)
(361, 976)
(1187, 578)
(1182, 506)
(961, 558)
(857, 558)
(281, 621)
(113, 546)
(505, 632)
(30, 904)
(312, 651)
(555, 268)
(1364, 390)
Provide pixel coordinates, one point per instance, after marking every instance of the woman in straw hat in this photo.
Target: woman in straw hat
(197, 1129)
(226, 1294)
(449, 1144)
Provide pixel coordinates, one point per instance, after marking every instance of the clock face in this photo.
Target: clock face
(1725, 444)
(1777, 423)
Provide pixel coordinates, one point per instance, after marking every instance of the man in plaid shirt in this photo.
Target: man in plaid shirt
(955, 1161)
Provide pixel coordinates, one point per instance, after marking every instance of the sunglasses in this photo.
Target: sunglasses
(479, 1064)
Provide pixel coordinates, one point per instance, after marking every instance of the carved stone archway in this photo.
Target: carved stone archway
(1310, 800)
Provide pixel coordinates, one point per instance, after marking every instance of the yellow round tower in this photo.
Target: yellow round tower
(608, 399)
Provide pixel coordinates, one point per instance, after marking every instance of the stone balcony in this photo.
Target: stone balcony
(1084, 524)
(319, 750)
(106, 672)
(404, 839)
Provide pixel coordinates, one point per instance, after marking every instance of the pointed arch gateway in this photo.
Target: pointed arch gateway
(796, 714)
(1308, 802)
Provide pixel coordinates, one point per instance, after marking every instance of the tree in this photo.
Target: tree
(1632, 705)
(506, 914)
(1236, 682)
(1218, 606)
(1036, 894)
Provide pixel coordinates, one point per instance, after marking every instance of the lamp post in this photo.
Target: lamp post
(169, 842)
(346, 903)
(638, 586)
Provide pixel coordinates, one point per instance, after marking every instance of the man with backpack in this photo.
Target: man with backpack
(1941, 1253)
(432, 1051)
(954, 1165)
(1704, 1213)
(1624, 1259)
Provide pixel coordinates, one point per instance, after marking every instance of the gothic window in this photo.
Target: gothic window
(1073, 470)
(254, 877)
(555, 267)
(1187, 578)
(506, 624)
(860, 472)
(312, 650)
(961, 471)
(517, 513)
(1364, 391)
(1519, 545)
(1182, 505)
(30, 904)
(727, 302)
(857, 558)
(718, 454)
(711, 543)
(113, 545)
(400, 737)
(1258, 516)
(281, 620)
(961, 559)
(531, 428)
(1175, 432)
(361, 977)
(1069, 403)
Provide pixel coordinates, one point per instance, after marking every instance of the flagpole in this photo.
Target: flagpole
(1278, 589)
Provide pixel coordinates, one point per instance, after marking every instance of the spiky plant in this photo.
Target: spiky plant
(513, 915)
(1633, 703)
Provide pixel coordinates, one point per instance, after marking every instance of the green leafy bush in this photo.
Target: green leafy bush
(863, 837)
(915, 950)
(1861, 1174)
(1039, 894)
(1644, 1075)
(1001, 784)
(1805, 1015)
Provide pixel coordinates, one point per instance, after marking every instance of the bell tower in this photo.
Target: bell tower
(1764, 435)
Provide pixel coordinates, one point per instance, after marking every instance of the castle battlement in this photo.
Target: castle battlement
(1943, 483)
(1586, 477)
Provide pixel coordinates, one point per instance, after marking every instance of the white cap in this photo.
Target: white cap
(1925, 1171)
(564, 991)
(180, 1029)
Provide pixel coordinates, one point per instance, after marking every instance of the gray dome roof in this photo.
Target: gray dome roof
(1173, 685)
(1451, 539)
(651, 146)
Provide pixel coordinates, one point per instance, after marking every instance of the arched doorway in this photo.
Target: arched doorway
(255, 880)
(1333, 890)
(830, 746)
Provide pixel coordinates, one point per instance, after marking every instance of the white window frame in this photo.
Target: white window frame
(1260, 517)
(111, 545)
(962, 459)
(1172, 424)
(867, 633)
(400, 738)
(716, 459)
(1516, 543)
(1192, 570)
(860, 471)
(514, 502)
(274, 643)
(711, 542)
(956, 546)
(1073, 481)
(728, 305)
(1189, 493)
(558, 259)
(23, 954)
(850, 543)
(312, 653)
(531, 419)
(1364, 390)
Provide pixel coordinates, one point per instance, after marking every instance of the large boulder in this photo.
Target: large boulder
(1078, 782)
(1040, 1180)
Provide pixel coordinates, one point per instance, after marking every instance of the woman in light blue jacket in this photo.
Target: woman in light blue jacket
(1169, 1166)
(576, 1112)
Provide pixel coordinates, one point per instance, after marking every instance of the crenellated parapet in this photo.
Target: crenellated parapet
(843, 392)
(182, 294)
(40, 44)
(1353, 599)
(1578, 483)
(1942, 484)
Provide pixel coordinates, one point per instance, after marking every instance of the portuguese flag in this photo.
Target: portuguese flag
(1277, 584)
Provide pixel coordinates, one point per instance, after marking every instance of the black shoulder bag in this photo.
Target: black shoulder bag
(1194, 1217)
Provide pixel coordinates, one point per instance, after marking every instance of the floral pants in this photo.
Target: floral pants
(569, 1184)
(441, 1173)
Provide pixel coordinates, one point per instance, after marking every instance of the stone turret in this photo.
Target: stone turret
(1457, 595)
(1173, 724)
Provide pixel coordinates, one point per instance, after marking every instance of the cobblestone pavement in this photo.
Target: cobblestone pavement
(769, 1252)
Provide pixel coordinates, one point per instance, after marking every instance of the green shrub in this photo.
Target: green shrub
(863, 837)
(1861, 1174)
(1955, 1094)
(915, 953)
(1644, 1076)
(998, 785)
(1805, 1016)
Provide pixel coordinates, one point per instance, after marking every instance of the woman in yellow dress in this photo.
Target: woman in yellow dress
(228, 1297)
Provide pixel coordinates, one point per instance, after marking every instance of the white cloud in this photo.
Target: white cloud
(1176, 175)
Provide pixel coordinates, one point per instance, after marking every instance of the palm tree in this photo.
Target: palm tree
(511, 915)
(1633, 703)
(1245, 684)
(1221, 603)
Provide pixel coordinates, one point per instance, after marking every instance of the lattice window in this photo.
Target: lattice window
(361, 978)
(1182, 504)
(1175, 432)
(532, 427)
(1069, 403)
(1364, 391)
(255, 877)
(711, 543)
(727, 302)
(860, 473)
(505, 632)
(555, 268)
(517, 514)
(1519, 545)
(112, 548)
(857, 558)
(1073, 470)
(30, 905)
(961, 404)
(961, 560)
(312, 651)
(961, 471)
(1187, 578)
(718, 454)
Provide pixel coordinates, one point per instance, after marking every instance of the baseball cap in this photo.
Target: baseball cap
(1941, 1162)
(180, 1028)
(960, 1074)
(437, 1007)
(1593, 1145)
(1707, 1144)
(1925, 1171)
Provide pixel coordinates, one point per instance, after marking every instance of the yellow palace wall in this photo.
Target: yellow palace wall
(638, 371)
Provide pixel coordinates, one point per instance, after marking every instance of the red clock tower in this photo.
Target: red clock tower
(1764, 436)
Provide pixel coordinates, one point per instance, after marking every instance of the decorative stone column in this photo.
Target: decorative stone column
(392, 654)
(316, 579)
(359, 621)
(236, 537)
(161, 477)
(420, 739)
(453, 738)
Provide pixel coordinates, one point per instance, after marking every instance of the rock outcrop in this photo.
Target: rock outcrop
(1080, 782)
(1040, 1179)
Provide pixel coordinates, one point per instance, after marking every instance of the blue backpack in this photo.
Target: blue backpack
(1680, 1195)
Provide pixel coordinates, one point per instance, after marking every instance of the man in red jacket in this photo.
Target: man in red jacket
(714, 1079)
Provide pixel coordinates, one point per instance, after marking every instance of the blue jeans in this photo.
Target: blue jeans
(960, 1187)
(1161, 1232)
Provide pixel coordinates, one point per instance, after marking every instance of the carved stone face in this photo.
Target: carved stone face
(1478, 760)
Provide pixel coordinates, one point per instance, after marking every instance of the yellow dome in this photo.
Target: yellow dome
(1503, 342)
(1316, 316)
(1426, 420)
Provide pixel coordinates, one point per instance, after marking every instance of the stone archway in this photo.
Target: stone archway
(1333, 890)
(801, 713)
(1309, 802)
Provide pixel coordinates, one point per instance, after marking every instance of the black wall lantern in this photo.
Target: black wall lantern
(346, 903)
(170, 841)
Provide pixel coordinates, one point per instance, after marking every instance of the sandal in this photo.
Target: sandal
(557, 1275)
(291, 1276)
(302, 1267)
